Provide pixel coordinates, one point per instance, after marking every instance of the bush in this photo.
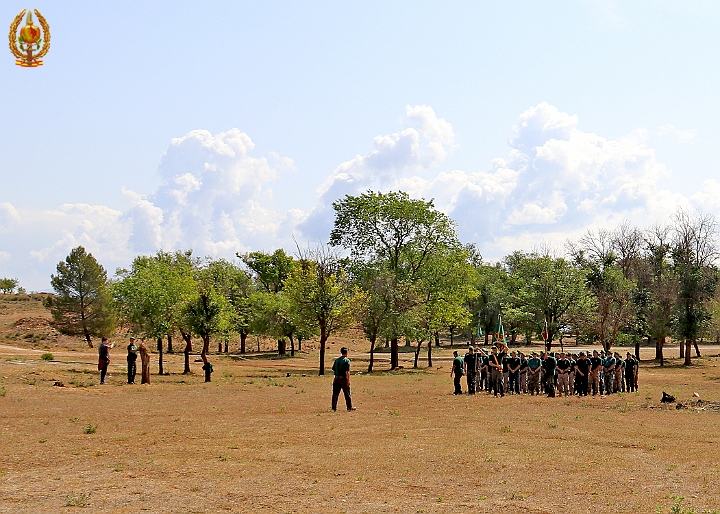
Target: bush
(90, 428)
(47, 357)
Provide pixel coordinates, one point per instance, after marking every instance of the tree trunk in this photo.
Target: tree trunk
(188, 348)
(452, 333)
(243, 337)
(437, 338)
(299, 337)
(548, 345)
(487, 339)
(659, 348)
(170, 348)
(145, 365)
(472, 340)
(323, 338)
(407, 343)
(219, 345)
(417, 354)
(160, 355)
(373, 338)
(682, 349)
(394, 353)
(281, 346)
(88, 339)
(292, 346)
(697, 350)
(513, 338)
(227, 343)
(688, 344)
(637, 349)
(206, 348)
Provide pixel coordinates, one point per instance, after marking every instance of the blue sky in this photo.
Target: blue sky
(97, 146)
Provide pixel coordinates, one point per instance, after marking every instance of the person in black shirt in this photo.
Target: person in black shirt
(513, 364)
(104, 358)
(496, 375)
(549, 365)
(563, 370)
(582, 370)
(470, 361)
(595, 369)
(131, 361)
(631, 366)
(523, 373)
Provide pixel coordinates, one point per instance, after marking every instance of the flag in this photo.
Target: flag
(499, 334)
(479, 331)
(546, 332)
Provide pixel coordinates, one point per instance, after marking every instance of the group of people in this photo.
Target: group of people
(104, 359)
(567, 374)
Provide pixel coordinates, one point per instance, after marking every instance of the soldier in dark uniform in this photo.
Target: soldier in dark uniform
(523, 374)
(457, 371)
(514, 373)
(483, 371)
(631, 366)
(595, 369)
(496, 375)
(609, 372)
(470, 365)
(563, 372)
(534, 368)
(341, 369)
(132, 361)
(549, 365)
(582, 371)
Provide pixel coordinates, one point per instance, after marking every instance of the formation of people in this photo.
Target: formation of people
(502, 371)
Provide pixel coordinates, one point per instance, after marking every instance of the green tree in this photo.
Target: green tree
(82, 301)
(8, 285)
(547, 286)
(322, 293)
(150, 294)
(399, 233)
(269, 269)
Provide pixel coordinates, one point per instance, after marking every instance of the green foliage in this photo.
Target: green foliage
(8, 285)
(47, 357)
(77, 500)
(82, 305)
(90, 428)
(270, 269)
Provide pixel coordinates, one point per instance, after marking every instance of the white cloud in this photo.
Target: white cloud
(684, 136)
(8, 216)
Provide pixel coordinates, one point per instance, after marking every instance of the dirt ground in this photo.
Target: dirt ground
(262, 438)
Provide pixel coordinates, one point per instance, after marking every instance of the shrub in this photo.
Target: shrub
(47, 357)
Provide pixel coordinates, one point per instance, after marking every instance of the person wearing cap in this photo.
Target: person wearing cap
(513, 363)
(483, 378)
(582, 372)
(523, 373)
(341, 369)
(549, 365)
(619, 383)
(470, 368)
(630, 366)
(496, 376)
(534, 368)
(595, 369)
(609, 372)
(503, 353)
(132, 350)
(563, 372)
(457, 370)
(571, 375)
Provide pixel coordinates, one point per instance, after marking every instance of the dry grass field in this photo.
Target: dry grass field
(262, 438)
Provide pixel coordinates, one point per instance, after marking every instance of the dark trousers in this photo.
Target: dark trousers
(514, 382)
(471, 382)
(497, 382)
(630, 383)
(103, 371)
(456, 381)
(132, 370)
(581, 384)
(550, 385)
(338, 384)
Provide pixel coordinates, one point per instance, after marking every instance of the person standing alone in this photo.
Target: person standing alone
(457, 370)
(104, 358)
(341, 369)
(131, 360)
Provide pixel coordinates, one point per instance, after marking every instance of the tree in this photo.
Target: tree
(397, 232)
(235, 285)
(149, 295)
(82, 301)
(8, 285)
(375, 283)
(322, 293)
(547, 286)
(694, 252)
(206, 311)
(270, 269)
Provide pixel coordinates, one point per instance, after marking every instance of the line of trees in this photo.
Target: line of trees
(394, 267)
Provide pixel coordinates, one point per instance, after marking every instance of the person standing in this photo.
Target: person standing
(132, 350)
(514, 373)
(534, 364)
(470, 366)
(563, 370)
(609, 372)
(483, 373)
(631, 366)
(104, 358)
(523, 373)
(582, 370)
(496, 375)
(457, 370)
(619, 383)
(341, 369)
(595, 368)
(549, 365)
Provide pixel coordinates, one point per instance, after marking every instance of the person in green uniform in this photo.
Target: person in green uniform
(131, 360)
(609, 372)
(341, 369)
(534, 364)
(457, 369)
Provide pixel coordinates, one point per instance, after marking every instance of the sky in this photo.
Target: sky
(229, 126)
